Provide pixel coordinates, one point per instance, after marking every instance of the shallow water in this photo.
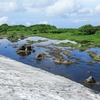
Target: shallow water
(77, 72)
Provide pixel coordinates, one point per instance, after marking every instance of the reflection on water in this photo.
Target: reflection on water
(77, 71)
(24, 53)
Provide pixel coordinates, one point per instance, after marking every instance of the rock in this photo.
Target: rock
(59, 61)
(22, 47)
(89, 72)
(25, 47)
(90, 80)
(67, 62)
(62, 61)
(25, 50)
(67, 54)
(98, 83)
(40, 56)
(98, 56)
(28, 47)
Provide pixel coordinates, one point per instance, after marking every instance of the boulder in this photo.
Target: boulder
(62, 61)
(66, 53)
(90, 80)
(59, 61)
(40, 56)
(25, 47)
(67, 62)
(22, 47)
(25, 50)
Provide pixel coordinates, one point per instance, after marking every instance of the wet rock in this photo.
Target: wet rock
(57, 60)
(25, 50)
(12, 38)
(62, 61)
(89, 72)
(90, 80)
(98, 56)
(66, 53)
(40, 56)
(94, 56)
(67, 62)
(98, 83)
(25, 47)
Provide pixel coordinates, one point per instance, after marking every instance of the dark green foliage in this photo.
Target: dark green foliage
(41, 28)
(57, 31)
(4, 28)
(17, 28)
(44, 28)
(87, 30)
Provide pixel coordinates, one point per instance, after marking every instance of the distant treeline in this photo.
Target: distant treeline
(44, 28)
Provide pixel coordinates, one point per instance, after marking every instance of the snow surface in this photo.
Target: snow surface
(23, 82)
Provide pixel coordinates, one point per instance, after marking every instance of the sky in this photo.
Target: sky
(60, 13)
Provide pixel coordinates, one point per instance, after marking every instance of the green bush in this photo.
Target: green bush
(87, 29)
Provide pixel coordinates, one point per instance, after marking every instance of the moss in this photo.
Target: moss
(94, 56)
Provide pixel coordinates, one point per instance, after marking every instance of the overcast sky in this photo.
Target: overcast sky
(61, 13)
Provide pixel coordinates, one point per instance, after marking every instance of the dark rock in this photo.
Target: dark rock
(25, 50)
(22, 47)
(90, 80)
(28, 47)
(25, 47)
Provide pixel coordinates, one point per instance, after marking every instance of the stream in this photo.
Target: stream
(83, 67)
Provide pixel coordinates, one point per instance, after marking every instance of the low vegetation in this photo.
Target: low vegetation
(87, 35)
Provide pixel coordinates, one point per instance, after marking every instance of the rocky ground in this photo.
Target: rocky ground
(23, 82)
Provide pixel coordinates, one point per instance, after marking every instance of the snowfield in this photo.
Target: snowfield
(23, 82)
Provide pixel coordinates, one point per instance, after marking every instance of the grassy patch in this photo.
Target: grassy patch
(68, 44)
(86, 41)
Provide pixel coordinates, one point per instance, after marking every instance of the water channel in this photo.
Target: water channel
(78, 71)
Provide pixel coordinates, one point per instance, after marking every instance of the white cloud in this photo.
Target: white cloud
(8, 6)
(89, 3)
(85, 12)
(97, 9)
(36, 5)
(63, 7)
(78, 21)
(3, 20)
(43, 3)
(43, 22)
